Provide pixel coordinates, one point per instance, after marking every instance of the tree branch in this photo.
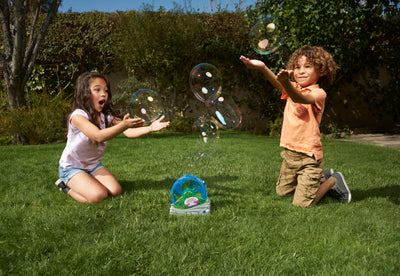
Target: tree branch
(32, 38)
(19, 36)
(30, 60)
(5, 27)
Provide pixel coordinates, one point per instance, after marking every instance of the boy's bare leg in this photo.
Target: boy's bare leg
(325, 186)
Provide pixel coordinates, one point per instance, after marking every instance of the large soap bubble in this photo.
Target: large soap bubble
(146, 104)
(206, 135)
(267, 35)
(205, 81)
(224, 111)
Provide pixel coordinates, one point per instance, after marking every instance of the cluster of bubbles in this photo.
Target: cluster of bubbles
(205, 80)
(206, 136)
(206, 83)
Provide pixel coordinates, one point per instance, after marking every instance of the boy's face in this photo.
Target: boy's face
(305, 73)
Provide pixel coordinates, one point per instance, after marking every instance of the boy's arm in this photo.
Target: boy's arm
(283, 78)
(259, 65)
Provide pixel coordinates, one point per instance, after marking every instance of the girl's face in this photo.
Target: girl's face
(98, 93)
(305, 73)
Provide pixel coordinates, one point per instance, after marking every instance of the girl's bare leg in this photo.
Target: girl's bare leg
(93, 188)
(86, 188)
(108, 180)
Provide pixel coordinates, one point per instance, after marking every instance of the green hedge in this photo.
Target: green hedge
(160, 48)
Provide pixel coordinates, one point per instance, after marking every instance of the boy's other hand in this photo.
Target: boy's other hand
(284, 75)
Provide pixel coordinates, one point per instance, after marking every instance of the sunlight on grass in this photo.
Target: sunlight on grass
(251, 230)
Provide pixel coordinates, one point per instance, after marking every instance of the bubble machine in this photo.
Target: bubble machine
(189, 197)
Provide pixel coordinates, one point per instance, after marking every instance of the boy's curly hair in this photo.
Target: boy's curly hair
(322, 60)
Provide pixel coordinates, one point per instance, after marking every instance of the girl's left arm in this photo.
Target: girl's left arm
(157, 125)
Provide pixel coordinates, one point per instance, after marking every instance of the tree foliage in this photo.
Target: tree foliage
(78, 42)
(363, 37)
(164, 46)
(22, 30)
(159, 48)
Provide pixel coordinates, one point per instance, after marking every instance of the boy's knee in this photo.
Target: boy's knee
(282, 191)
(304, 204)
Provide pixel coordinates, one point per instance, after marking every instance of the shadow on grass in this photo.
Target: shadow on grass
(391, 193)
(143, 184)
(168, 182)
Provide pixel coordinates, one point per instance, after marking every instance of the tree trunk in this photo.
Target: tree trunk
(20, 46)
(15, 93)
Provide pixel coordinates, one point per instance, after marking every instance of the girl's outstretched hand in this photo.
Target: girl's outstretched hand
(133, 122)
(157, 125)
(252, 63)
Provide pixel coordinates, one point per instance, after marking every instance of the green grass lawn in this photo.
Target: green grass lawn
(250, 230)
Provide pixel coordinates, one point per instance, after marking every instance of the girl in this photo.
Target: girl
(91, 124)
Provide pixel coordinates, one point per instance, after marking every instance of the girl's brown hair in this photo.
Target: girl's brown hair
(322, 60)
(82, 98)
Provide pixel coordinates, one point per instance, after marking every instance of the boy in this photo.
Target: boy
(301, 170)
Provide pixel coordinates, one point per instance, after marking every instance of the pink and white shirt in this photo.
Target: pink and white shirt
(81, 152)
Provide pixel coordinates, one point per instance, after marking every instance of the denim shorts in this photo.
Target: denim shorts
(67, 174)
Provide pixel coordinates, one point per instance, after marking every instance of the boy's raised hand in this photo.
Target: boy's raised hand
(284, 75)
(157, 125)
(252, 63)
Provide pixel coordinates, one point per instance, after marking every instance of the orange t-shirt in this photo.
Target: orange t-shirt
(300, 128)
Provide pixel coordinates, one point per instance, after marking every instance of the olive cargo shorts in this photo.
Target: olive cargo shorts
(300, 174)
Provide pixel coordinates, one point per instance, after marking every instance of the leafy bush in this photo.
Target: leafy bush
(43, 120)
(182, 124)
(161, 47)
(275, 127)
(363, 37)
(123, 93)
(76, 43)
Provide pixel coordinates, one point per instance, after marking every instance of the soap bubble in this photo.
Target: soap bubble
(224, 111)
(206, 135)
(146, 104)
(205, 81)
(267, 35)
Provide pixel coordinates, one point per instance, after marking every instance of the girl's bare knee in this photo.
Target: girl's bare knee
(97, 196)
(115, 191)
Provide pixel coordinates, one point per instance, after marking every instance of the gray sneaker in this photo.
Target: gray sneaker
(328, 173)
(341, 191)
